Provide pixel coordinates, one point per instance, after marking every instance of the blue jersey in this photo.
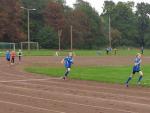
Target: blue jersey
(68, 61)
(7, 55)
(137, 62)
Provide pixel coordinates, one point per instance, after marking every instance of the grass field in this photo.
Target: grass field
(111, 74)
(120, 52)
(101, 52)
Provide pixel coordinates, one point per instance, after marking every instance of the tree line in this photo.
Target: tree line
(130, 24)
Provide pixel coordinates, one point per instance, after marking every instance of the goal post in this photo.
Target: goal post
(33, 45)
(7, 45)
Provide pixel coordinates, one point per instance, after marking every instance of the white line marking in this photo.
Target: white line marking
(23, 80)
(70, 84)
(58, 87)
(32, 107)
(86, 105)
(68, 88)
(80, 96)
(78, 90)
(74, 84)
(98, 87)
(11, 74)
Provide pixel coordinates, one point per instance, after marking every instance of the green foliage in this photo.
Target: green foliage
(123, 22)
(93, 36)
(48, 40)
(143, 21)
(90, 30)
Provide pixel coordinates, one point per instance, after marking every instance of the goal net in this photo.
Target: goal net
(7, 45)
(29, 45)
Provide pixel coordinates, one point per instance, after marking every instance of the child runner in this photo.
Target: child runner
(20, 55)
(68, 61)
(13, 55)
(107, 50)
(136, 68)
(8, 56)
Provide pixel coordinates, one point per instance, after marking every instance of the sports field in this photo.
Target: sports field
(23, 92)
(106, 74)
(99, 52)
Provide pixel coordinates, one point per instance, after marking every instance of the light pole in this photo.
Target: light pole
(109, 32)
(28, 11)
(59, 36)
(71, 37)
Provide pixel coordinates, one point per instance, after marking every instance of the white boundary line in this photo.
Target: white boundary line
(90, 97)
(20, 81)
(40, 80)
(74, 90)
(85, 105)
(73, 84)
(70, 83)
(58, 87)
(32, 107)
(23, 80)
(15, 75)
(9, 81)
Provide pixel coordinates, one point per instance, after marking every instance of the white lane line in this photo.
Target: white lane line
(85, 105)
(97, 87)
(12, 74)
(23, 80)
(56, 87)
(70, 84)
(81, 96)
(69, 88)
(77, 84)
(75, 89)
(32, 107)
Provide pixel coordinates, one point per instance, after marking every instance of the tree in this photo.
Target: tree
(48, 40)
(36, 17)
(123, 20)
(10, 21)
(143, 21)
(90, 23)
(54, 15)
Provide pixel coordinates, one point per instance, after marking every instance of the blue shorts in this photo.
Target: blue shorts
(8, 59)
(135, 71)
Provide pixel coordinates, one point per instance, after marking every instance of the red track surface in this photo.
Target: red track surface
(22, 92)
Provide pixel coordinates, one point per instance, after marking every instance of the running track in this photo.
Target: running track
(21, 92)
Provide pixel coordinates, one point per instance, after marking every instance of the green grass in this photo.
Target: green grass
(109, 74)
(101, 52)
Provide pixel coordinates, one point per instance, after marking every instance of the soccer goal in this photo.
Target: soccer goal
(29, 45)
(7, 45)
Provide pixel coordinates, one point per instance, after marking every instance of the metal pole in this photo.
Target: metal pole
(37, 46)
(28, 11)
(59, 38)
(28, 29)
(109, 31)
(71, 37)
(21, 46)
(59, 43)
